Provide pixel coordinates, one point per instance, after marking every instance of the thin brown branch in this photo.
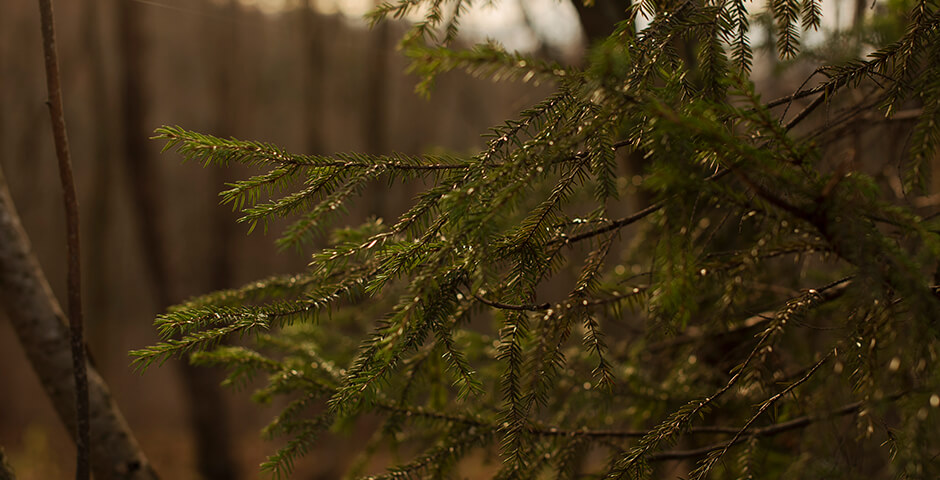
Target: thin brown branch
(828, 293)
(615, 225)
(420, 411)
(796, 95)
(743, 432)
(60, 136)
(625, 221)
(768, 195)
(506, 306)
(805, 112)
(768, 431)
(617, 297)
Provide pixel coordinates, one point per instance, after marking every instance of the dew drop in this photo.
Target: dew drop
(895, 364)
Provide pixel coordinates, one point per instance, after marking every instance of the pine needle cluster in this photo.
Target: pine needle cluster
(771, 309)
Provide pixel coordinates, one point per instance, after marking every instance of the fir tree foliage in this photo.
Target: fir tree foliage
(771, 306)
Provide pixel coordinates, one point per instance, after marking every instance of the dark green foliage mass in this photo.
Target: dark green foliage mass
(770, 311)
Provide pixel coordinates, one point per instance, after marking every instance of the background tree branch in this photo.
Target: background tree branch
(27, 300)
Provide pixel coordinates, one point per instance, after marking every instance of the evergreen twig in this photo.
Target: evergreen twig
(740, 213)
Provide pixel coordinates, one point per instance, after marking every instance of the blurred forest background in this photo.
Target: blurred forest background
(306, 77)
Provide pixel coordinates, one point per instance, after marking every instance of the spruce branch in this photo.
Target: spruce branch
(440, 326)
(767, 431)
(680, 420)
(210, 149)
(483, 60)
(705, 467)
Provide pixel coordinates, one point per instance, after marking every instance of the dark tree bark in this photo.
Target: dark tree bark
(313, 65)
(598, 20)
(27, 300)
(210, 412)
(859, 17)
(143, 179)
(375, 110)
(208, 421)
(222, 244)
(102, 191)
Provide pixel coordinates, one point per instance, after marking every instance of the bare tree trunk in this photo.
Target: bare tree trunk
(27, 300)
(99, 234)
(210, 412)
(207, 416)
(598, 20)
(858, 20)
(375, 111)
(143, 180)
(222, 244)
(313, 65)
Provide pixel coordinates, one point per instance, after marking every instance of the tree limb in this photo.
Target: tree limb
(27, 300)
(768, 431)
